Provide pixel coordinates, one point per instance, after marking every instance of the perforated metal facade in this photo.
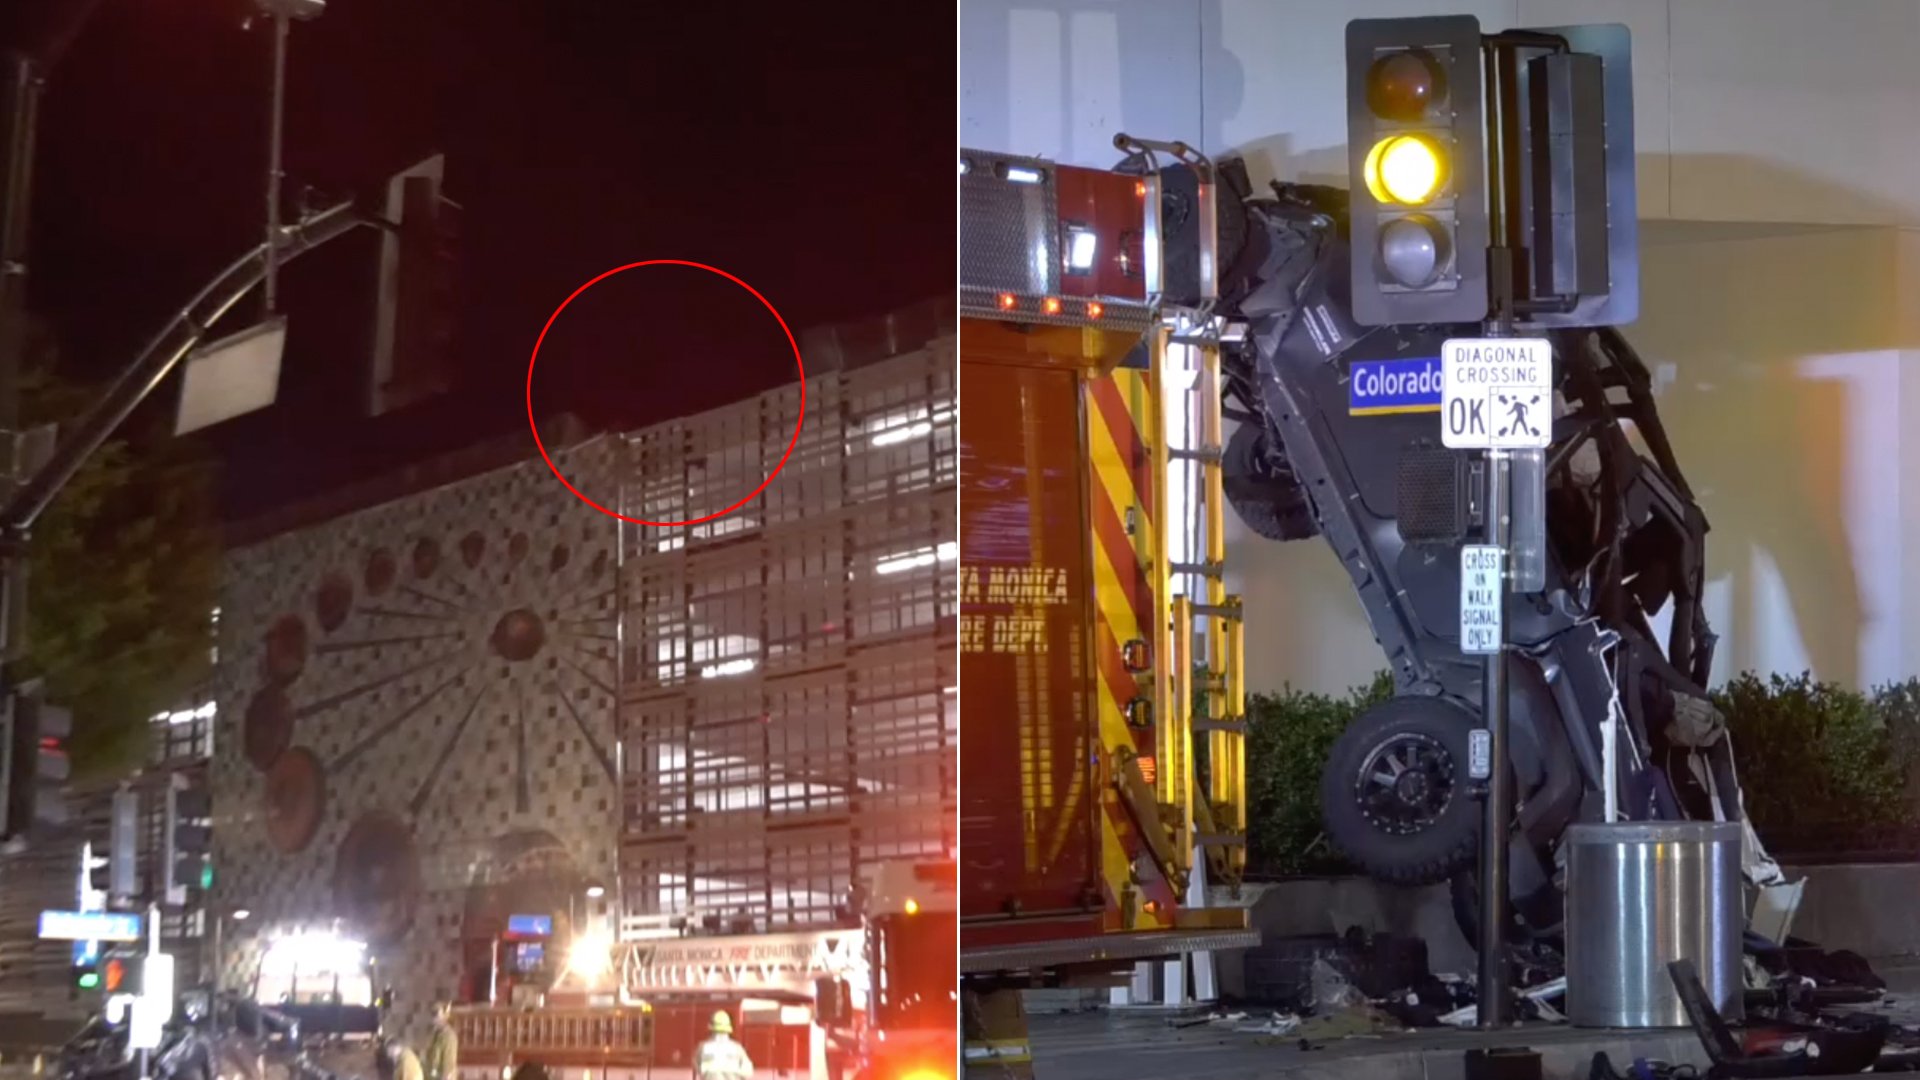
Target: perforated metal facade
(787, 712)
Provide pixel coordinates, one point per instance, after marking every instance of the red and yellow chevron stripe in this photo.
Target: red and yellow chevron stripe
(1120, 408)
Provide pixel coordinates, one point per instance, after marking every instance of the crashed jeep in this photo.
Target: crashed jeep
(1624, 544)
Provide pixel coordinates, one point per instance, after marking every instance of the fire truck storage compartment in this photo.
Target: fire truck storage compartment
(1028, 839)
(786, 714)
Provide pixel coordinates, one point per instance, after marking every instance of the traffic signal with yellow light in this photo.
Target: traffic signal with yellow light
(1416, 142)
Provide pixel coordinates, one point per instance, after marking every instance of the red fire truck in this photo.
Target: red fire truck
(1088, 675)
(872, 1001)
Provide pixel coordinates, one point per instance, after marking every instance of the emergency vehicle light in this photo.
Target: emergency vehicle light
(1081, 245)
(1020, 174)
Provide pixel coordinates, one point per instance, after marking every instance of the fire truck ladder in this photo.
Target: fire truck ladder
(1209, 639)
(1217, 822)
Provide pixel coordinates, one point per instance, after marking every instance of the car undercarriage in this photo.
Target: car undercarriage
(1623, 553)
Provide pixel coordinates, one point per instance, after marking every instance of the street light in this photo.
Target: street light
(595, 892)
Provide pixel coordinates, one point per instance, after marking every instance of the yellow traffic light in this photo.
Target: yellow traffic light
(1407, 170)
(1416, 150)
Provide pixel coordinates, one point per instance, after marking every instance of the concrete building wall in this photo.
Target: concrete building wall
(1780, 255)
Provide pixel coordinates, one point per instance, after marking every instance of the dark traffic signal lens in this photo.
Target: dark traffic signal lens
(1413, 251)
(1401, 85)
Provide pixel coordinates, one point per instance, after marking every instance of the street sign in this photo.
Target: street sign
(1496, 393)
(1479, 754)
(146, 1023)
(1482, 599)
(89, 926)
(156, 983)
(1385, 387)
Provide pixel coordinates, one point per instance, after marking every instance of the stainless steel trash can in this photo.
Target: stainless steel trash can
(1639, 896)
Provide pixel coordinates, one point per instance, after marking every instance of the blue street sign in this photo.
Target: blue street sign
(89, 926)
(530, 925)
(1379, 387)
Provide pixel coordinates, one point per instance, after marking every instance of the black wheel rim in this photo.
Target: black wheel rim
(1405, 783)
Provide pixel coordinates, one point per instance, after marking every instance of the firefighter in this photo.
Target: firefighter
(397, 1061)
(720, 1058)
(443, 1046)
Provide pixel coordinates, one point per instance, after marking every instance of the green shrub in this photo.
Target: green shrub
(1809, 753)
(1899, 707)
(1813, 753)
(1289, 735)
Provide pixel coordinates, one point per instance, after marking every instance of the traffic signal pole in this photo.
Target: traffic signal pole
(24, 84)
(1497, 812)
(1507, 300)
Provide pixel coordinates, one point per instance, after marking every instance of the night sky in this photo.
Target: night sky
(809, 153)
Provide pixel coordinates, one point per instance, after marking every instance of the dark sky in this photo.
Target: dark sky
(806, 148)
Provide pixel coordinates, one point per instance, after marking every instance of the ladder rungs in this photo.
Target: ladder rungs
(1219, 840)
(1204, 569)
(1229, 612)
(1203, 453)
(1236, 725)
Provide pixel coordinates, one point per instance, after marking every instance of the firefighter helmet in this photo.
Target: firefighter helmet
(722, 1023)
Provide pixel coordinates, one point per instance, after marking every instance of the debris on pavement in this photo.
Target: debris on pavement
(1354, 1021)
(1331, 990)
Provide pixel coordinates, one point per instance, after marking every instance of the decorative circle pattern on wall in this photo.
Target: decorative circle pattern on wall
(296, 795)
(269, 725)
(376, 877)
(382, 569)
(332, 602)
(286, 654)
(426, 557)
(407, 684)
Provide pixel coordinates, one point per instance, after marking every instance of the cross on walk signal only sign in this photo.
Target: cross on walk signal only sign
(1496, 394)
(1482, 598)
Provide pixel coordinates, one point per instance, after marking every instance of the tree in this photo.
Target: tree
(123, 575)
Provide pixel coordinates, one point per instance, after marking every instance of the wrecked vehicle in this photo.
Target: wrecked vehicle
(1624, 553)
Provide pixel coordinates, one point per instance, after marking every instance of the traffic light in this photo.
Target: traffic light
(1583, 241)
(1416, 147)
(36, 765)
(415, 315)
(188, 838)
(120, 974)
(119, 878)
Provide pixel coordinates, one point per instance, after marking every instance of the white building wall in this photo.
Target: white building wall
(1780, 259)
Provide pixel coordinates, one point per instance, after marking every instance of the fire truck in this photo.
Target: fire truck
(874, 1000)
(1100, 651)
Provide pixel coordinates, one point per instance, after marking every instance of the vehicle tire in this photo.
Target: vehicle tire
(1270, 502)
(1394, 793)
(531, 1070)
